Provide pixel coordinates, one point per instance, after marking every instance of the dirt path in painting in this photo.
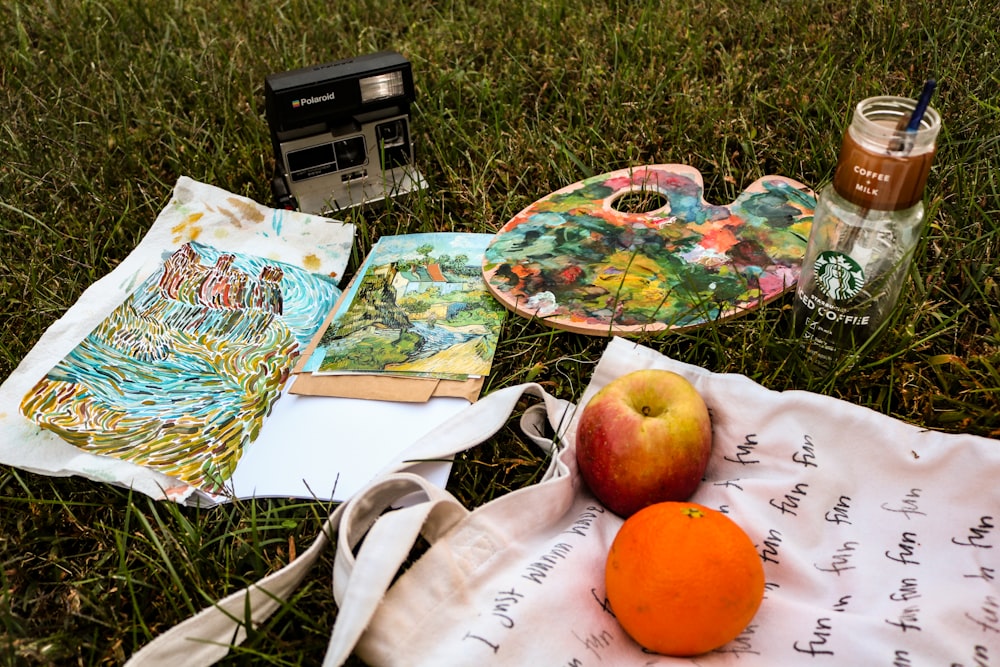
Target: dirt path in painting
(460, 358)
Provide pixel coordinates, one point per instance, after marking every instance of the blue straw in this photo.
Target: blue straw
(921, 108)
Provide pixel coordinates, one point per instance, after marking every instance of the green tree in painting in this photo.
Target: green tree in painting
(373, 351)
(426, 250)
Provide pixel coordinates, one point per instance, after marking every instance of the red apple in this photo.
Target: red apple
(644, 438)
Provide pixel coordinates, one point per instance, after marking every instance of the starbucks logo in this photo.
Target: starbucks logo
(838, 276)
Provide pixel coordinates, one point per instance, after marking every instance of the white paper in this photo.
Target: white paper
(328, 448)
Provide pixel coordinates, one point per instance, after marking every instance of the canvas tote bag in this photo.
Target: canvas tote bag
(879, 542)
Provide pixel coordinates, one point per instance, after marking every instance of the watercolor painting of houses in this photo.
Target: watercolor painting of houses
(577, 260)
(181, 375)
(418, 308)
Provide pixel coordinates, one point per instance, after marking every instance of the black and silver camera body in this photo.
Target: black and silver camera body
(341, 133)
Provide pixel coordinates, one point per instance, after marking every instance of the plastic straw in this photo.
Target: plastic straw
(921, 108)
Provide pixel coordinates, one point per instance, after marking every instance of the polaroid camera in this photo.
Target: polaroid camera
(341, 133)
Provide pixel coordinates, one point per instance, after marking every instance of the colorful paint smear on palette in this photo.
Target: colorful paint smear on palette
(583, 259)
(181, 375)
(419, 308)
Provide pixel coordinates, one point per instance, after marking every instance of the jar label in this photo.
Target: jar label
(838, 276)
(888, 181)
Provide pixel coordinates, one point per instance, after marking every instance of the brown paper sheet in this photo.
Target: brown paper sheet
(385, 388)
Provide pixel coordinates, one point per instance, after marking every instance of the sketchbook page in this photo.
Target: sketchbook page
(214, 257)
(328, 448)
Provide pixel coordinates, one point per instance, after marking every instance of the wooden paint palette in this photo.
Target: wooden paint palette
(639, 250)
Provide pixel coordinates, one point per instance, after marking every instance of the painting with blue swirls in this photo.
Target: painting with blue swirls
(181, 375)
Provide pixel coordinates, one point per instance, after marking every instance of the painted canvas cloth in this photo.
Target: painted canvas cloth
(163, 372)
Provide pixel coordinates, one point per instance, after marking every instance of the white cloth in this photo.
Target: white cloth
(196, 212)
(879, 541)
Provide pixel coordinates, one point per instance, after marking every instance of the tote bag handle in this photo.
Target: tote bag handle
(207, 637)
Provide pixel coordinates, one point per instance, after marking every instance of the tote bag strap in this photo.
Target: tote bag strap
(460, 433)
(360, 583)
(481, 420)
(207, 637)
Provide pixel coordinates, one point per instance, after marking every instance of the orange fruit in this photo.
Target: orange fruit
(683, 579)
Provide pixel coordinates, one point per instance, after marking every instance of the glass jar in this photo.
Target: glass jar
(865, 229)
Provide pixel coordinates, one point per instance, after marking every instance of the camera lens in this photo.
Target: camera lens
(350, 152)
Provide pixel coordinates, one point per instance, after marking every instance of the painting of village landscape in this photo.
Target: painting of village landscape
(181, 375)
(419, 308)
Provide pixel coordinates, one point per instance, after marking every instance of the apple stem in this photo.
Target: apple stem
(646, 410)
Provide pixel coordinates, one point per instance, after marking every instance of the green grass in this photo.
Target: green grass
(104, 104)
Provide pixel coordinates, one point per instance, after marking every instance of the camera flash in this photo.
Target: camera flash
(381, 86)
